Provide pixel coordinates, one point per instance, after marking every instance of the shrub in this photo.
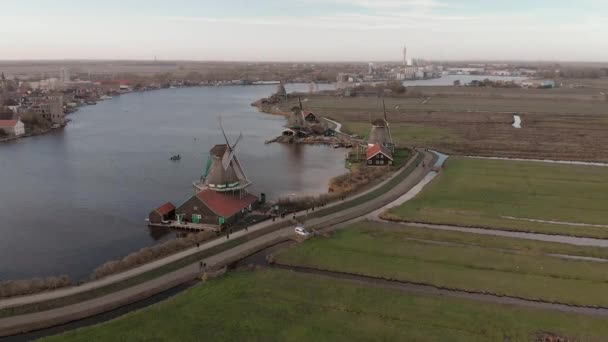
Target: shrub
(148, 254)
(11, 288)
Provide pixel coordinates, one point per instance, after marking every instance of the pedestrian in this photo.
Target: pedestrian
(200, 265)
(198, 245)
(246, 228)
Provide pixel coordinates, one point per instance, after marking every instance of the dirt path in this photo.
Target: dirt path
(338, 125)
(577, 241)
(415, 288)
(567, 162)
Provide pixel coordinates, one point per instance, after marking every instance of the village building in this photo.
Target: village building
(220, 196)
(162, 214)
(378, 155)
(214, 207)
(13, 128)
(309, 117)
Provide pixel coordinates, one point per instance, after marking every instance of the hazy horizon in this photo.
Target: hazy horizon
(305, 30)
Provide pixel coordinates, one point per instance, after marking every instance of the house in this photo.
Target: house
(163, 213)
(378, 155)
(309, 116)
(288, 132)
(214, 207)
(13, 128)
(329, 132)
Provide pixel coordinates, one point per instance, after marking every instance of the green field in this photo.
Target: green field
(500, 194)
(273, 305)
(408, 134)
(394, 253)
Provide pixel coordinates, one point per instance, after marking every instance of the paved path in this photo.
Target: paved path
(338, 125)
(39, 320)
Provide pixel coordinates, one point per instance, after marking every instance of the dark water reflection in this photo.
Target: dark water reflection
(73, 199)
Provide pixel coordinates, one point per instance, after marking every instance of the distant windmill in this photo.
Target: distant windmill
(223, 171)
(380, 133)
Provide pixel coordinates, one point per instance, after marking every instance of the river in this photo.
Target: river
(75, 198)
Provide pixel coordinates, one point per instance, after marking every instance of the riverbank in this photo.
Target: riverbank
(332, 214)
(84, 176)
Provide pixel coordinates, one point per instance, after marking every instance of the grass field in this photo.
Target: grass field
(378, 251)
(479, 123)
(274, 305)
(477, 192)
(404, 134)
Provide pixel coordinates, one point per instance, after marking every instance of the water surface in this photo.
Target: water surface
(73, 199)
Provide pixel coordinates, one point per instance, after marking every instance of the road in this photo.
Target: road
(39, 320)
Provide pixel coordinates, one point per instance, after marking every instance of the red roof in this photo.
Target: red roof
(8, 123)
(165, 209)
(225, 205)
(377, 148)
(307, 113)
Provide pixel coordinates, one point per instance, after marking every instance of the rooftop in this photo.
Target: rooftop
(376, 148)
(8, 123)
(223, 204)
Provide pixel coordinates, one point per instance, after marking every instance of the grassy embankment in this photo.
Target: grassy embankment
(388, 252)
(499, 194)
(274, 305)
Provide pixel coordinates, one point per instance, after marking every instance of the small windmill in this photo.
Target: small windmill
(390, 144)
(223, 172)
(380, 133)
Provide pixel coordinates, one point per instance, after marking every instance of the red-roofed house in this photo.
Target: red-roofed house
(12, 127)
(309, 116)
(215, 207)
(379, 155)
(162, 213)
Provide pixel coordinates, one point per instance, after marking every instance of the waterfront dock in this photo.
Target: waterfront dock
(199, 227)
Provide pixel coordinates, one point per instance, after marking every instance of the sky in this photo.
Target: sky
(305, 30)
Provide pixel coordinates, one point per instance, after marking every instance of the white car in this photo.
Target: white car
(301, 231)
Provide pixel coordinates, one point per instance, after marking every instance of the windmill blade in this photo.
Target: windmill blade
(384, 108)
(226, 161)
(240, 137)
(223, 132)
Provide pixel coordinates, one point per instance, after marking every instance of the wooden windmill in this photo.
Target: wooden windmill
(223, 171)
(380, 133)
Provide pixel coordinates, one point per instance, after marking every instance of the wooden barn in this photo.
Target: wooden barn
(378, 155)
(165, 212)
(214, 207)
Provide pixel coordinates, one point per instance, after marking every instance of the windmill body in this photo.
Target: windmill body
(223, 171)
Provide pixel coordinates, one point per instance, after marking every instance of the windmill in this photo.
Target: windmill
(223, 171)
(380, 133)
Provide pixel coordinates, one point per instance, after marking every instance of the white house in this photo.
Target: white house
(12, 127)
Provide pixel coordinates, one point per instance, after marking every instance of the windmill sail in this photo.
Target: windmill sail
(231, 152)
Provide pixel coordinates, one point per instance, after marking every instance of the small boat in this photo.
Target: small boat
(176, 157)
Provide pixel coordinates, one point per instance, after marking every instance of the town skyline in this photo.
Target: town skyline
(305, 30)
